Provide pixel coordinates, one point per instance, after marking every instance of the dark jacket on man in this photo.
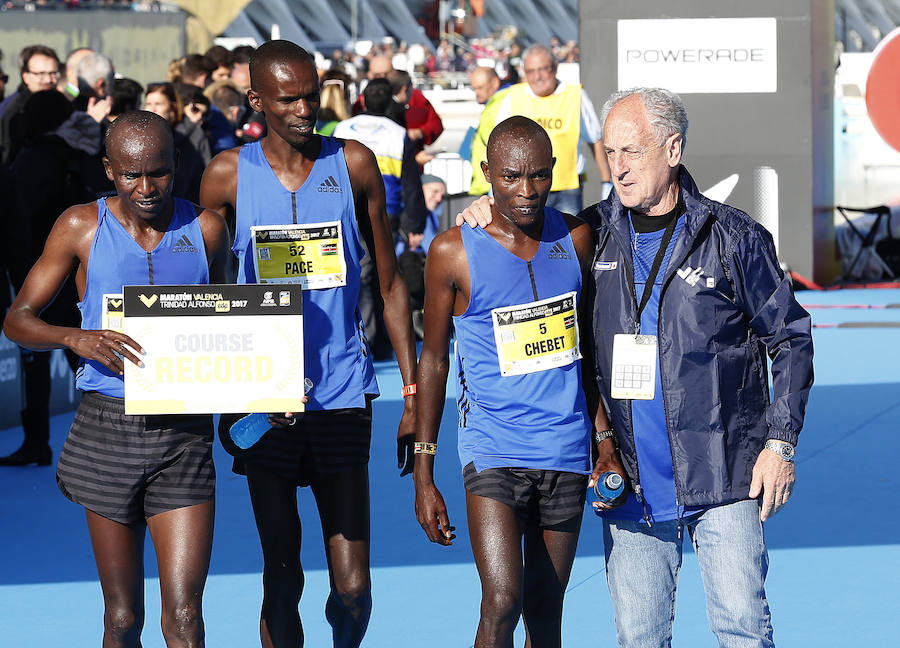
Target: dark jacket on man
(12, 128)
(725, 305)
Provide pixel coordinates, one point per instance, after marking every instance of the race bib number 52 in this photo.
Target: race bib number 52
(311, 255)
(536, 336)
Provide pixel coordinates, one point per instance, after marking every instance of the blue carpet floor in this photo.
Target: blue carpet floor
(835, 550)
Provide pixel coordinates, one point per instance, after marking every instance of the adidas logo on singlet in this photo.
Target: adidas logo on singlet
(558, 252)
(330, 185)
(184, 245)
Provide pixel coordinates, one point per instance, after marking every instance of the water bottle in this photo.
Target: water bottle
(248, 430)
(609, 487)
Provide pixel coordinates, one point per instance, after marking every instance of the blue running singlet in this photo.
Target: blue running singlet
(337, 366)
(116, 260)
(535, 420)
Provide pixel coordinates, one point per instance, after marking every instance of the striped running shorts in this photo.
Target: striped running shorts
(129, 468)
(322, 441)
(540, 497)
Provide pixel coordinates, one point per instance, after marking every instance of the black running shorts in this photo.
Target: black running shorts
(322, 441)
(540, 497)
(129, 468)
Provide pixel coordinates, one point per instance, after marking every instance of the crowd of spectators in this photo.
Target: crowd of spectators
(449, 59)
(203, 97)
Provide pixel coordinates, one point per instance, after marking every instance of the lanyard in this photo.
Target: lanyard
(654, 270)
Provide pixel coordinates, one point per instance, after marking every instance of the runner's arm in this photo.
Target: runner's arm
(368, 193)
(440, 297)
(72, 233)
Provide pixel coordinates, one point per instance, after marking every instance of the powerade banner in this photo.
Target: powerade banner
(699, 55)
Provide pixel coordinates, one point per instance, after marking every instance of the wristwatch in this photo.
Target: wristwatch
(602, 435)
(782, 448)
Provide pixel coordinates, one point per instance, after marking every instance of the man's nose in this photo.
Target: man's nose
(144, 185)
(618, 162)
(528, 187)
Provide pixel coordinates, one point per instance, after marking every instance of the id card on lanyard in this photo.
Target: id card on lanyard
(634, 366)
(635, 355)
(311, 254)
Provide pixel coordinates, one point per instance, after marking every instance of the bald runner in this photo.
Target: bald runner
(512, 292)
(331, 192)
(108, 455)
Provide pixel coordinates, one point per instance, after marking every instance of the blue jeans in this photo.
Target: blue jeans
(642, 565)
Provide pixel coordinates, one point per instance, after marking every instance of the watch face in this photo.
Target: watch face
(784, 450)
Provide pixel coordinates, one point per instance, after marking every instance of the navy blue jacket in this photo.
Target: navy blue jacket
(725, 304)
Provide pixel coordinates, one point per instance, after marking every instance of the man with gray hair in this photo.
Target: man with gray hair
(689, 301)
(95, 80)
(690, 292)
(70, 87)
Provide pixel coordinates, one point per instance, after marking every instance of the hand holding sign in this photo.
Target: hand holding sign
(109, 348)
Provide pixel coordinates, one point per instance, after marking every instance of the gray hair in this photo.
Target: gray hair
(665, 111)
(538, 48)
(96, 66)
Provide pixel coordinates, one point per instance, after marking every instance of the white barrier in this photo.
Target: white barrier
(455, 171)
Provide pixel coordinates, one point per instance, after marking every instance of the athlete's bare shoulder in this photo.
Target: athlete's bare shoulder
(362, 168)
(448, 242)
(224, 162)
(210, 221)
(219, 184)
(359, 156)
(74, 229)
(447, 253)
(573, 222)
(80, 219)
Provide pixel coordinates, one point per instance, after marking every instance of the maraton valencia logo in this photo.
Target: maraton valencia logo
(148, 301)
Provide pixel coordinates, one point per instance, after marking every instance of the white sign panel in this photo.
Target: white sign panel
(215, 349)
(699, 55)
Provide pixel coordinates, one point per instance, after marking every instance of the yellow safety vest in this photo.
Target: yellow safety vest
(560, 115)
(486, 124)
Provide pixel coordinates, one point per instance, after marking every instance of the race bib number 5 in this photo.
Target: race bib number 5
(536, 336)
(311, 255)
